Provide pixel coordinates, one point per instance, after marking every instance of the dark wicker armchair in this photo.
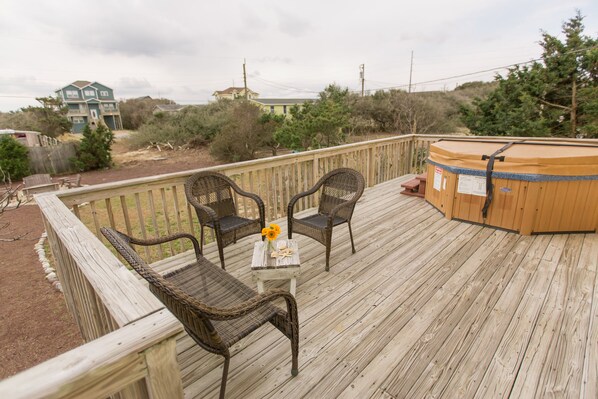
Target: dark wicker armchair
(211, 194)
(216, 309)
(341, 188)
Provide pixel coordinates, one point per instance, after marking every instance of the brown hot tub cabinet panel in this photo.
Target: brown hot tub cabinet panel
(538, 188)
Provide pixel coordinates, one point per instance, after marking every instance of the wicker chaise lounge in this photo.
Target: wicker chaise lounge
(216, 309)
(341, 188)
(211, 194)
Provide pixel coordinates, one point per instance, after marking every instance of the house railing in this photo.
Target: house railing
(47, 141)
(130, 349)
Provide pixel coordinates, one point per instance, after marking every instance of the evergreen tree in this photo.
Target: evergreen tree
(94, 149)
(554, 97)
(319, 123)
(50, 118)
(13, 158)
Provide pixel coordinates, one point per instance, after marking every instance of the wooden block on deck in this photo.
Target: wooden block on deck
(412, 187)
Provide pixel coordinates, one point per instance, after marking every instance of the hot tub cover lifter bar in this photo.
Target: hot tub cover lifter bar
(489, 168)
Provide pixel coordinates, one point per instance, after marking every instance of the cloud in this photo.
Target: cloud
(274, 60)
(27, 86)
(292, 24)
(134, 40)
(129, 83)
(251, 26)
(115, 28)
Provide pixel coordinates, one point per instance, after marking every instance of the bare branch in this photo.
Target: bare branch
(14, 238)
(9, 197)
(553, 105)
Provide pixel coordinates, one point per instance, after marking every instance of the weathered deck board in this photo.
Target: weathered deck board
(426, 307)
(590, 372)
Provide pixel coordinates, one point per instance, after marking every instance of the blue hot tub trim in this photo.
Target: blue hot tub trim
(512, 176)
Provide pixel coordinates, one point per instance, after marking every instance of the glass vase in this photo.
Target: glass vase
(271, 246)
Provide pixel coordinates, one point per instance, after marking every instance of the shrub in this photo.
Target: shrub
(246, 132)
(195, 126)
(137, 111)
(13, 158)
(94, 149)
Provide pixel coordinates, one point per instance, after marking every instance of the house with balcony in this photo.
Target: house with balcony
(90, 103)
(280, 106)
(234, 93)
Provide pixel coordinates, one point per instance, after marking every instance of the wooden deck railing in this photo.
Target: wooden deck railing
(153, 206)
(131, 338)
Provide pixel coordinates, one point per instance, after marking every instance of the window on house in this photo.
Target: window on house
(72, 94)
(271, 109)
(78, 119)
(89, 93)
(109, 107)
(81, 107)
(104, 93)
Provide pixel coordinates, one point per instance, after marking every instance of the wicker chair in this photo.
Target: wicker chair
(341, 188)
(211, 194)
(216, 309)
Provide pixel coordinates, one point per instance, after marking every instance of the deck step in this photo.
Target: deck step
(415, 187)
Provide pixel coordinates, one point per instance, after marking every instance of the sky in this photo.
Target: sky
(186, 50)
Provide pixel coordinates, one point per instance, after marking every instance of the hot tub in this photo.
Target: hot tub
(528, 187)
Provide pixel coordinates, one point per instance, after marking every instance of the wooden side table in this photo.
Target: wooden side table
(264, 267)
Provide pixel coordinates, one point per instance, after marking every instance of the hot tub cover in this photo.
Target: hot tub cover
(522, 158)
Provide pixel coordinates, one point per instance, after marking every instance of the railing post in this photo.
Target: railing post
(411, 156)
(316, 173)
(164, 375)
(371, 166)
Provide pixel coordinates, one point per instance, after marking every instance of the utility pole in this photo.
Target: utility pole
(362, 77)
(245, 79)
(410, 71)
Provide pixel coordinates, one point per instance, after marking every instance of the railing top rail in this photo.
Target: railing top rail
(123, 295)
(85, 366)
(70, 197)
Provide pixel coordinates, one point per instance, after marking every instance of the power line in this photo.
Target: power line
(283, 86)
(483, 71)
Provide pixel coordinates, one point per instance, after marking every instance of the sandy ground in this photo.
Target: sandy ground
(34, 322)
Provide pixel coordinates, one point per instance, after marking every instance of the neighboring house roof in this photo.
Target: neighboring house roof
(169, 107)
(12, 131)
(282, 101)
(81, 83)
(232, 90)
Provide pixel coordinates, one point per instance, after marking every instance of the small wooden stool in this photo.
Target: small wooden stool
(264, 267)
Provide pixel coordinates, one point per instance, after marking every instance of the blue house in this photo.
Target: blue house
(90, 103)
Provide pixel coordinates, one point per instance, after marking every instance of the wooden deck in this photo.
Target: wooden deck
(426, 308)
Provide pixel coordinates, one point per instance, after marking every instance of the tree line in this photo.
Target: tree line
(238, 130)
(556, 95)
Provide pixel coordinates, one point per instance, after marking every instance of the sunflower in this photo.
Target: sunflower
(271, 235)
(265, 231)
(275, 227)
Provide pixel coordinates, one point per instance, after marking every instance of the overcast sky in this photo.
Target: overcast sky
(185, 50)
